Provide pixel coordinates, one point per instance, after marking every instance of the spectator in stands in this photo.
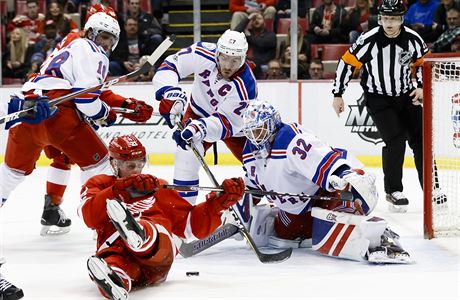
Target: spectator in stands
(132, 45)
(420, 16)
(302, 43)
(149, 28)
(33, 22)
(274, 70)
(357, 19)
(262, 43)
(443, 43)
(283, 10)
(241, 9)
(316, 69)
(328, 24)
(146, 76)
(16, 59)
(302, 64)
(455, 46)
(440, 16)
(47, 43)
(63, 24)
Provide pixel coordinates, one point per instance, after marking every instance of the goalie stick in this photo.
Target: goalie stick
(263, 257)
(344, 196)
(159, 51)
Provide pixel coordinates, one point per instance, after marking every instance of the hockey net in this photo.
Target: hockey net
(441, 129)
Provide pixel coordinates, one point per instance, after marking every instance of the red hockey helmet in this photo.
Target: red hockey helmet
(126, 147)
(100, 8)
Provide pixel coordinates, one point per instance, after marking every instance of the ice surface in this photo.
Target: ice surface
(55, 267)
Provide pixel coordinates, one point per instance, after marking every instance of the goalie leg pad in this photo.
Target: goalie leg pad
(262, 225)
(345, 235)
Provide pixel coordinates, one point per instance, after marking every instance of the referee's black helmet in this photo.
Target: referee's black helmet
(392, 8)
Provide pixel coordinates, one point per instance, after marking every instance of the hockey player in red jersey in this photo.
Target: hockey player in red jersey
(53, 220)
(135, 218)
(80, 65)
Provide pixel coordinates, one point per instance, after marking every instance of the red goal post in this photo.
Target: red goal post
(441, 144)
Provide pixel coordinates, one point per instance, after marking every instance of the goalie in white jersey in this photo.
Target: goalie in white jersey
(222, 88)
(287, 158)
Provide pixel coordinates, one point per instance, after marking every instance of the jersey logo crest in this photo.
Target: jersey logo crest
(405, 58)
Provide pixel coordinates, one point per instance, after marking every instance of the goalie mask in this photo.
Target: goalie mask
(127, 155)
(231, 52)
(261, 121)
(101, 23)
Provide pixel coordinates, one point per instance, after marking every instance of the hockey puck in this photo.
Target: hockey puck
(192, 274)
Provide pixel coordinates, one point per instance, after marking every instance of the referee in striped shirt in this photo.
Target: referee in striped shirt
(388, 56)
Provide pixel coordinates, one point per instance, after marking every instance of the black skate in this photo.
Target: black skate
(8, 291)
(397, 202)
(128, 228)
(106, 279)
(54, 220)
(390, 250)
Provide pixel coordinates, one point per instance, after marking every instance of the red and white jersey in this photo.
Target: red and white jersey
(107, 95)
(164, 207)
(78, 65)
(218, 101)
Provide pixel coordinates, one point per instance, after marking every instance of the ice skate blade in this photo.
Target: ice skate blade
(100, 271)
(52, 230)
(397, 208)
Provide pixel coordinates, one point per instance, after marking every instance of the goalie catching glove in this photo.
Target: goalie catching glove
(233, 192)
(134, 186)
(142, 111)
(360, 184)
(172, 105)
(194, 132)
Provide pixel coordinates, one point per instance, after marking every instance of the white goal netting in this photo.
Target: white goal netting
(445, 143)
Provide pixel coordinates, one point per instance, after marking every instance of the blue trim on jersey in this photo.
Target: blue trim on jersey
(278, 157)
(325, 172)
(248, 160)
(45, 76)
(284, 137)
(186, 182)
(249, 84)
(188, 194)
(100, 114)
(202, 111)
(227, 129)
(92, 47)
(201, 52)
(160, 92)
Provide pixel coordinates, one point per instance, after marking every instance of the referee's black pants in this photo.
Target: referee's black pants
(397, 120)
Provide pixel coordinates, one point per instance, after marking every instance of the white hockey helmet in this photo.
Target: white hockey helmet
(101, 22)
(233, 43)
(261, 121)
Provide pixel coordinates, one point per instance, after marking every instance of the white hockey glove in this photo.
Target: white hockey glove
(194, 132)
(172, 106)
(360, 184)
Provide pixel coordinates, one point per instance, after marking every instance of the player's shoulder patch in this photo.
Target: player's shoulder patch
(284, 137)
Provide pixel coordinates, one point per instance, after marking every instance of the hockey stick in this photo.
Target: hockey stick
(159, 51)
(223, 232)
(345, 196)
(263, 257)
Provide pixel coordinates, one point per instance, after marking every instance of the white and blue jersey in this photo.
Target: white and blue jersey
(79, 65)
(219, 102)
(298, 163)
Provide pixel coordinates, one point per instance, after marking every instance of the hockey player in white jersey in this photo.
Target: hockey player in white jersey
(222, 89)
(289, 159)
(42, 111)
(81, 64)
